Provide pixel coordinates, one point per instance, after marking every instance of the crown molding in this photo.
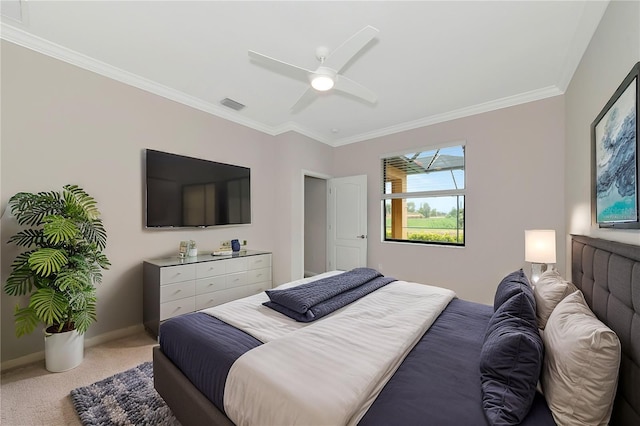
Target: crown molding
(292, 126)
(40, 45)
(509, 101)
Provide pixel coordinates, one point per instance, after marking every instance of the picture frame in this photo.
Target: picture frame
(615, 164)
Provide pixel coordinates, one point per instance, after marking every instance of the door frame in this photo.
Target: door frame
(298, 273)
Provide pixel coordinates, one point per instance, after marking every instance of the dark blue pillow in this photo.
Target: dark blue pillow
(520, 305)
(514, 283)
(510, 364)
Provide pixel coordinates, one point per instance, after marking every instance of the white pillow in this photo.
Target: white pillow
(580, 369)
(548, 292)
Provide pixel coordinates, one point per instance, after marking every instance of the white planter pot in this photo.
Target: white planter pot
(63, 351)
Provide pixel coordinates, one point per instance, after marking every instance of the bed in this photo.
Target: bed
(439, 378)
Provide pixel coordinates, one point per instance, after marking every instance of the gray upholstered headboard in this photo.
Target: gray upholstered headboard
(608, 273)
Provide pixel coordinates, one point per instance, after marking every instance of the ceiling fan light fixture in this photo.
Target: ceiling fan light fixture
(322, 83)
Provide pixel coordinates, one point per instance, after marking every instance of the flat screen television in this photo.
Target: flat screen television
(190, 192)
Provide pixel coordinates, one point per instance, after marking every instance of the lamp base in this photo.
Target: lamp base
(538, 269)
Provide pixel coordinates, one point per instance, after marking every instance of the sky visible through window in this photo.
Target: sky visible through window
(436, 180)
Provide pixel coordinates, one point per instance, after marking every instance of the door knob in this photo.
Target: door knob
(361, 236)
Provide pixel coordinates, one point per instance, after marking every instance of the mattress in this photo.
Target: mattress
(439, 379)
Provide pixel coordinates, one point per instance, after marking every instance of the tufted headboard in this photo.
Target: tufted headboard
(608, 273)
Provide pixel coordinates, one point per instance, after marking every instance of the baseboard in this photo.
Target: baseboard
(112, 335)
(308, 274)
(93, 341)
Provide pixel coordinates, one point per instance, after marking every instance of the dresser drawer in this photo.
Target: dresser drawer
(259, 275)
(235, 265)
(237, 279)
(207, 300)
(176, 291)
(210, 269)
(259, 261)
(175, 274)
(247, 290)
(176, 307)
(206, 285)
(227, 295)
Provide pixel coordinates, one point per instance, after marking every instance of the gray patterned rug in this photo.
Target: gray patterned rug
(124, 399)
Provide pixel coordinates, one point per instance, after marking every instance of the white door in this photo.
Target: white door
(347, 223)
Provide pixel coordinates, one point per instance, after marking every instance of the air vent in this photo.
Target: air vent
(230, 103)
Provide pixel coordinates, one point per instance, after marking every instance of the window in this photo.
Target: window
(423, 196)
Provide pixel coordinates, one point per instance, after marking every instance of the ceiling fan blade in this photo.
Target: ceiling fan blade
(305, 100)
(346, 85)
(281, 67)
(347, 50)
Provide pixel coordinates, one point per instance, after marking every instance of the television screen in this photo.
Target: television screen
(186, 192)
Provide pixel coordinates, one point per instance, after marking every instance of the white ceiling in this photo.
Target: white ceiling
(432, 60)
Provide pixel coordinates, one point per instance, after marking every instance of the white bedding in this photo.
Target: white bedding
(330, 371)
(265, 324)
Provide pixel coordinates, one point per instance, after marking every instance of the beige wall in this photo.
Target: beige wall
(613, 50)
(62, 124)
(515, 181)
(298, 154)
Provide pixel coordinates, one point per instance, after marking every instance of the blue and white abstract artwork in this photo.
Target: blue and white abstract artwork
(616, 163)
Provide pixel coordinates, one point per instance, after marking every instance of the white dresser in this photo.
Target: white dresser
(174, 286)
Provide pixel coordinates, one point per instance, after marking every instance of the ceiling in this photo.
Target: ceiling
(432, 61)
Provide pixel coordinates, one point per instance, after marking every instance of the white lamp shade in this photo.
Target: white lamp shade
(540, 246)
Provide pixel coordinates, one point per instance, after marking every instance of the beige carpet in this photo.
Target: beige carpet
(30, 395)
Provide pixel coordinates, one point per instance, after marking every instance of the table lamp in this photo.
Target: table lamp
(540, 250)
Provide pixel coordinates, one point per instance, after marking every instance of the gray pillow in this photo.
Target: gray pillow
(580, 372)
(550, 289)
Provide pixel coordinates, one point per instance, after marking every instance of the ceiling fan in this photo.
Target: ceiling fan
(327, 76)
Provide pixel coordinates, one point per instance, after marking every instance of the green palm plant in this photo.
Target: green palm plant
(63, 261)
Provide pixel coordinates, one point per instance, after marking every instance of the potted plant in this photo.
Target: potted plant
(64, 241)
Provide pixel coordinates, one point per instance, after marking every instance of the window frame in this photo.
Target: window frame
(423, 194)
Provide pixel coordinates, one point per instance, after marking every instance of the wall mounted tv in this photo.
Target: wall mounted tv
(190, 192)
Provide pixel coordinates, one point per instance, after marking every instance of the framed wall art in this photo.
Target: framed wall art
(614, 172)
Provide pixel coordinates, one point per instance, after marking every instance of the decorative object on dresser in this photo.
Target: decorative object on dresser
(174, 286)
(65, 240)
(615, 195)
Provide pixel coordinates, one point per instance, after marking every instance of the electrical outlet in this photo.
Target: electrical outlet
(225, 243)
